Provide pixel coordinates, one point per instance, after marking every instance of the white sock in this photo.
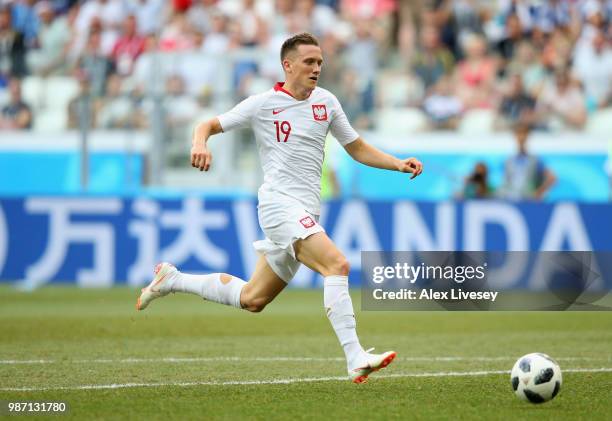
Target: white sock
(339, 309)
(210, 287)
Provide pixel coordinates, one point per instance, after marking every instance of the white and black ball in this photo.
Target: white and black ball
(536, 378)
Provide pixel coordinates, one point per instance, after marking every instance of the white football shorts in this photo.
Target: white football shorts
(283, 221)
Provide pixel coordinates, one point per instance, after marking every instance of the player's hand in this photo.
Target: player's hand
(201, 157)
(410, 165)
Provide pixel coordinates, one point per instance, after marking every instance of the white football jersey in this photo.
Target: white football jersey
(290, 137)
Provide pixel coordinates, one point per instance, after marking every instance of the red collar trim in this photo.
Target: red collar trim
(279, 88)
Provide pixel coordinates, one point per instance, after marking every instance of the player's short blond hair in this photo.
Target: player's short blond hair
(292, 43)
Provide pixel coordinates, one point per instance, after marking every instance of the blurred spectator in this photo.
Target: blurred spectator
(200, 14)
(26, 20)
(352, 102)
(593, 67)
(527, 64)
(12, 49)
(269, 65)
(465, 20)
(366, 8)
(75, 45)
(318, 18)
(332, 73)
(109, 14)
(245, 66)
(476, 184)
(149, 15)
(175, 36)
(82, 108)
(128, 47)
(251, 24)
(115, 110)
(283, 9)
(200, 73)
(234, 34)
(516, 106)
(181, 109)
(64, 6)
(361, 57)
(513, 37)
(551, 14)
(353, 34)
(181, 6)
(475, 75)
(523, 11)
(557, 51)
(594, 21)
(432, 60)
(562, 104)
(438, 13)
(16, 115)
(201, 78)
(150, 69)
(53, 40)
(525, 176)
(379, 12)
(94, 65)
(443, 107)
(216, 40)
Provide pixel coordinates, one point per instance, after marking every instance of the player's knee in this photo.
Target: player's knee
(339, 266)
(256, 305)
(344, 266)
(253, 303)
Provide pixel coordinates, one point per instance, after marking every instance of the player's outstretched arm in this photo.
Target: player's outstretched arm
(200, 154)
(363, 152)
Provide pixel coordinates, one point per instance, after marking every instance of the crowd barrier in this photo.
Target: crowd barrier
(37, 164)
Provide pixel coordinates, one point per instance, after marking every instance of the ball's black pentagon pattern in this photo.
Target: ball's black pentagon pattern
(525, 365)
(515, 383)
(533, 396)
(557, 387)
(544, 376)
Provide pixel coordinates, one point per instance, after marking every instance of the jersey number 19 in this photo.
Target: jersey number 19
(282, 127)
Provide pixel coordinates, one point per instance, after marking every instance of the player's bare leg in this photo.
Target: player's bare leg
(320, 254)
(222, 288)
(262, 288)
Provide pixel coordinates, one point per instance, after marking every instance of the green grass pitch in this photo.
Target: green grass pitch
(184, 358)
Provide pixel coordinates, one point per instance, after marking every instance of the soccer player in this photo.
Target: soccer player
(290, 122)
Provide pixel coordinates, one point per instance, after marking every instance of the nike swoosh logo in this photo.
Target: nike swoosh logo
(274, 112)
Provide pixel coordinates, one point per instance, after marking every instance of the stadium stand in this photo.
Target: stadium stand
(397, 67)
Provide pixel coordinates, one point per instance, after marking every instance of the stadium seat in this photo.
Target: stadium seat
(403, 120)
(477, 122)
(398, 90)
(51, 120)
(32, 92)
(59, 91)
(600, 122)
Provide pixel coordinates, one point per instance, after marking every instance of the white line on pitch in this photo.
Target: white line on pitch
(280, 381)
(266, 359)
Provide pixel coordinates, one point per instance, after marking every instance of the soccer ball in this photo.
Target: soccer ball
(536, 378)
